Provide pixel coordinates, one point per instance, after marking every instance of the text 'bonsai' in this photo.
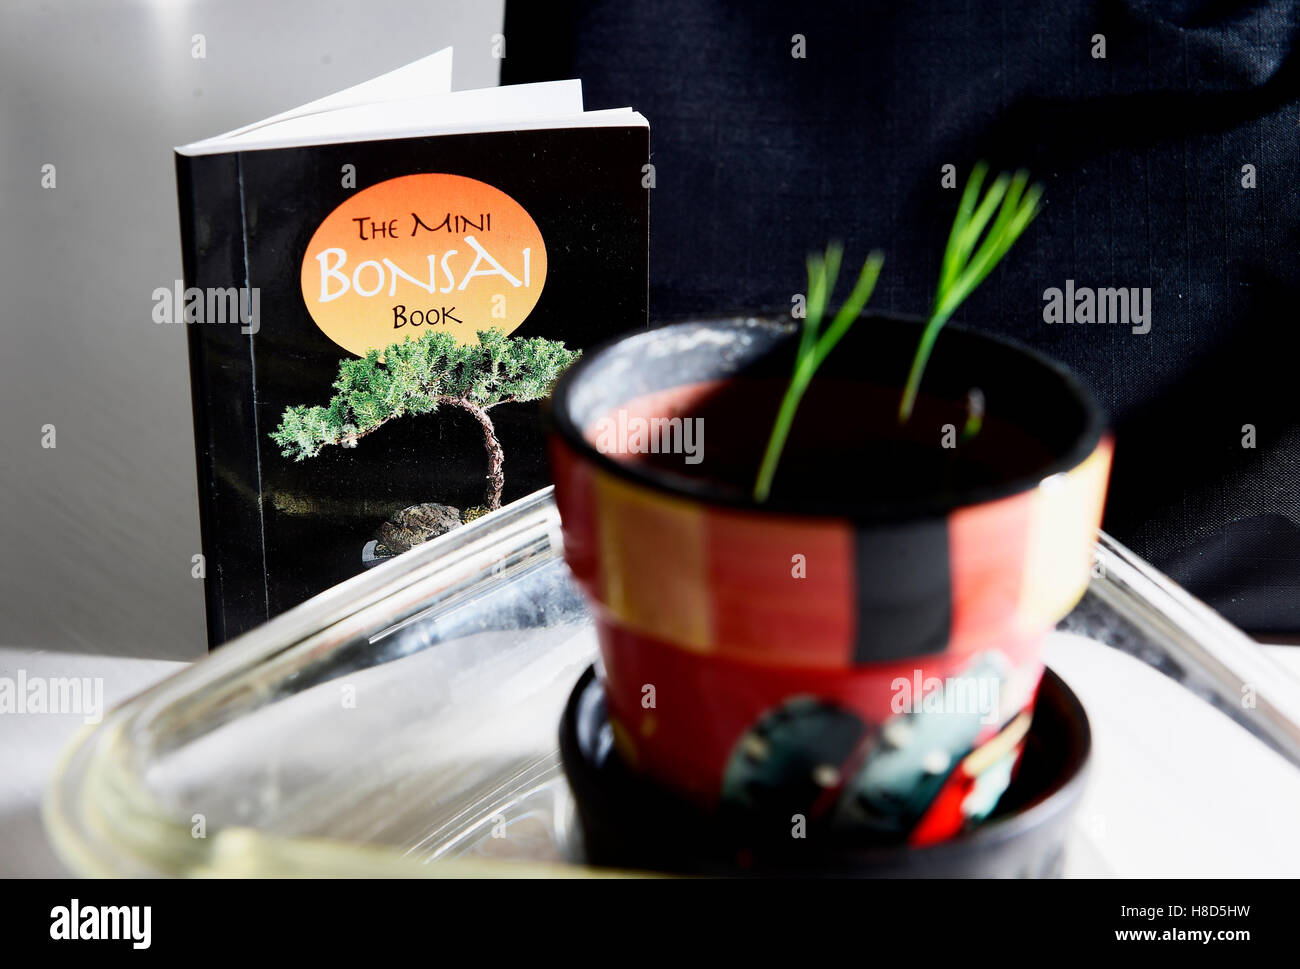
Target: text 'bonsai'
(418, 377)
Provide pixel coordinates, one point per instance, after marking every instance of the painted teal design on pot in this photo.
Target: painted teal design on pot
(790, 758)
(916, 752)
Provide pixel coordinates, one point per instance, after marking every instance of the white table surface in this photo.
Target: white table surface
(1177, 789)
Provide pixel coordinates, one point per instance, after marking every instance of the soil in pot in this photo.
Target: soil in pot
(847, 446)
(846, 438)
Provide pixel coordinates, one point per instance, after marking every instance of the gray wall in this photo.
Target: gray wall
(96, 534)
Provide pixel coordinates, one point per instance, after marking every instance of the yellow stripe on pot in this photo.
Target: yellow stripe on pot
(653, 564)
(1062, 531)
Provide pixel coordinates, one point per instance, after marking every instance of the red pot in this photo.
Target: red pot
(863, 648)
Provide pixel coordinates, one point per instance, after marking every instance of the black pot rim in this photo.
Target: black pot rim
(923, 507)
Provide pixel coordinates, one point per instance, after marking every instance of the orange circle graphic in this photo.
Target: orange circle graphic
(421, 252)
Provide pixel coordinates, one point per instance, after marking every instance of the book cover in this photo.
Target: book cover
(493, 255)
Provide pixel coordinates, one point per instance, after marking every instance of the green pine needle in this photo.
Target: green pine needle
(967, 261)
(814, 346)
(974, 414)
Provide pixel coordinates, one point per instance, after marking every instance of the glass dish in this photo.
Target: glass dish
(405, 722)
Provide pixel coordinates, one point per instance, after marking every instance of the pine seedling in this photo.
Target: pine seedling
(970, 255)
(815, 344)
(966, 264)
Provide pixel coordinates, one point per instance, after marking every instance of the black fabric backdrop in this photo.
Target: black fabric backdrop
(761, 157)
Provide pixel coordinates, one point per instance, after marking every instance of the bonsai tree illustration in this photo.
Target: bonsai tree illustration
(418, 377)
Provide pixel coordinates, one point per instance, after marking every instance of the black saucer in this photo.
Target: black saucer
(629, 822)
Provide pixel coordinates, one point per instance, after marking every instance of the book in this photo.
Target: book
(379, 288)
